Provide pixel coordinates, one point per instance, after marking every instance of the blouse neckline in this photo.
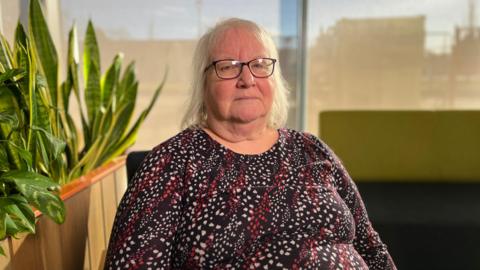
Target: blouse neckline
(225, 149)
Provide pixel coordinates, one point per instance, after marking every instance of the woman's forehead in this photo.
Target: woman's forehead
(234, 40)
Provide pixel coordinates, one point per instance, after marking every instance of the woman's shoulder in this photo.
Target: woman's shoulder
(307, 142)
(179, 143)
(175, 150)
(302, 137)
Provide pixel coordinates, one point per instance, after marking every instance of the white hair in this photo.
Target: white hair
(196, 114)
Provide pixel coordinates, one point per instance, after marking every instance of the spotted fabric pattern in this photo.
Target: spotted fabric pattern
(194, 204)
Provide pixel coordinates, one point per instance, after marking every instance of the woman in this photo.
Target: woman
(235, 190)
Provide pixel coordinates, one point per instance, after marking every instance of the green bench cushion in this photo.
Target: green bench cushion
(405, 145)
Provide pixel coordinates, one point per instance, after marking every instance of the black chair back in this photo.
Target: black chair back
(134, 159)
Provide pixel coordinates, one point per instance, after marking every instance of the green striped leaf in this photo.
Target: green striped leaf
(4, 163)
(91, 54)
(6, 56)
(73, 60)
(90, 154)
(126, 83)
(110, 81)
(54, 145)
(22, 153)
(72, 64)
(9, 74)
(92, 93)
(8, 117)
(156, 93)
(19, 46)
(129, 138)
(72, 143)
(10, 114)
(32, 102)
(91, 73)
(43, 48)
(46, 116)
(87, 138)
(3, 227)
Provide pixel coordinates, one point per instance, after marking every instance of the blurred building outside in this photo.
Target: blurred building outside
(383, 63)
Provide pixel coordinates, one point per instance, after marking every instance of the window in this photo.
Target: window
(158, 33)
(392, 55)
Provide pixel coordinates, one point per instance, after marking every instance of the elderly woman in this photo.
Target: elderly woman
(237, 190)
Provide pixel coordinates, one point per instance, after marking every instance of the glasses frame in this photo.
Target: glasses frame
(214, 64)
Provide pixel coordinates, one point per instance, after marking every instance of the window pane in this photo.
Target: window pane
(160, 34)
(10, 15)
(411, 54)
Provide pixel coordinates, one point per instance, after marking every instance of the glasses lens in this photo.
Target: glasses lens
(228, 69)
(262, 67)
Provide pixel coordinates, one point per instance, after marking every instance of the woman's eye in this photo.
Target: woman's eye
(225, 68)
(259, 66)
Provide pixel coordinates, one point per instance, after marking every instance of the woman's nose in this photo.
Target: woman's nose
(246, 78)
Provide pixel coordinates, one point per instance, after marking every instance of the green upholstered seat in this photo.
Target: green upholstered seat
(405, 145)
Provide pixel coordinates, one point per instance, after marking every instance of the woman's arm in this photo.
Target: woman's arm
(367, 241)
(147, 217)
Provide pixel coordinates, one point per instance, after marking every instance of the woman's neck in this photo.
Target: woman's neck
(238, 132)
(244, 138)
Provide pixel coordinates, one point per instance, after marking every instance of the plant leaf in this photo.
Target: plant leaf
(54, 144)
(12, 228)
(90, 154)
(146, 111)
(44, 48)
(123, 117)
(22, 153)
(128, 79)
(127, 141)
(4, 163)
(110, 80)
(87, 140)
(38, 190)
(91, 54)
(9, 74)
(156, 94)
(19, 216)
(130, 138)
(19, 46)
(44, 119)
(72, 143)
(92, 93)
(72, 64)
(6, 57)
(3, 225)
(20, 36)
(9, 117)
(9, 109)
(73, 59)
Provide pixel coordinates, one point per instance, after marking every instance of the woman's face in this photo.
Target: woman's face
(244, 99)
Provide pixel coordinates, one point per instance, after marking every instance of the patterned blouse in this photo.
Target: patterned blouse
(194, 204)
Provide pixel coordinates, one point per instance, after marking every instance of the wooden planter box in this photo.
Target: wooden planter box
(81, 242)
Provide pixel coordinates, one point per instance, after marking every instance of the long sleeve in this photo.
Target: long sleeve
(146, 221)
(367, 241)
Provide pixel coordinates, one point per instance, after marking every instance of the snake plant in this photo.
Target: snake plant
(41, 146)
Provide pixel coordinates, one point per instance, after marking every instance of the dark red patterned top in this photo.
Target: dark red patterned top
(195, 204)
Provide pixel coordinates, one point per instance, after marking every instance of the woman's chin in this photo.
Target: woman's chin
(248, 117)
